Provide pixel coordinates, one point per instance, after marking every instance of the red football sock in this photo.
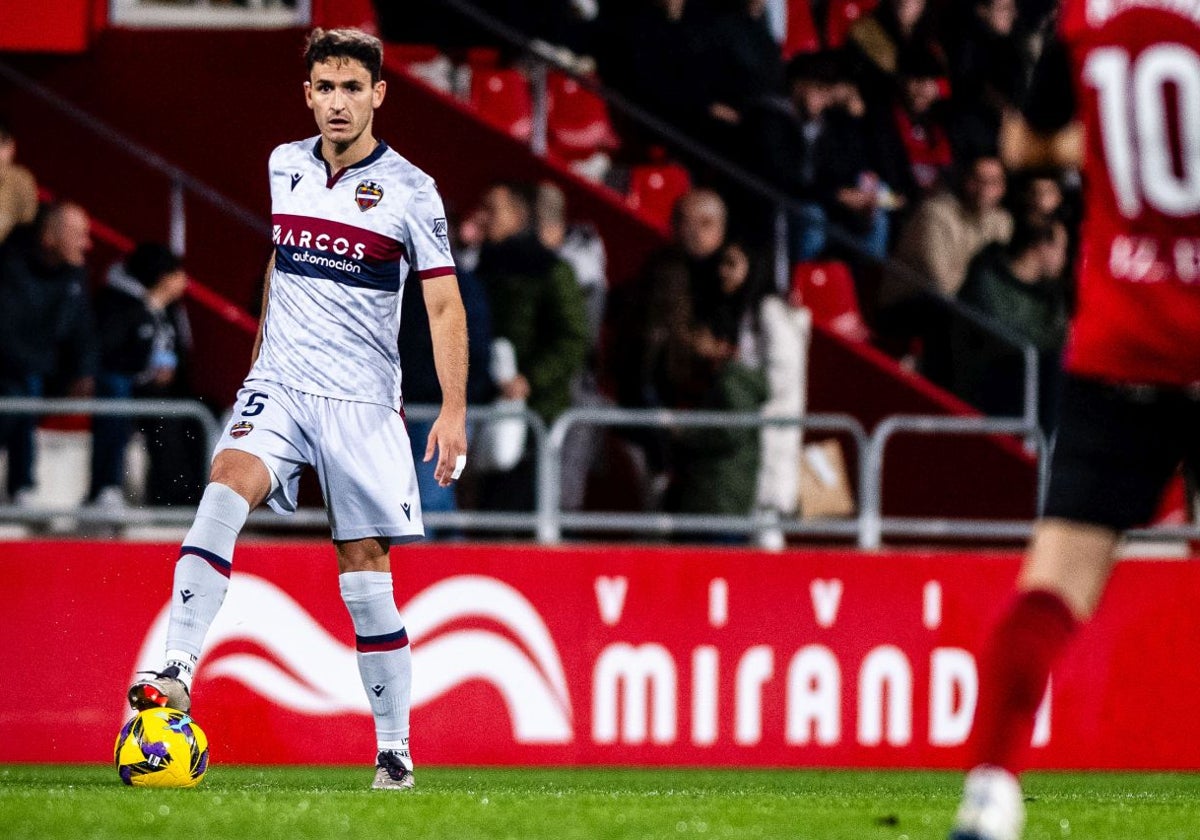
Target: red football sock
(1013, 676)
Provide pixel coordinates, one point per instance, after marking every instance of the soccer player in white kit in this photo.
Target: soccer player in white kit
(352, 219)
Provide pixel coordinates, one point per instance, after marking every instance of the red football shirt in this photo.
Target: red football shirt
(1129, 70)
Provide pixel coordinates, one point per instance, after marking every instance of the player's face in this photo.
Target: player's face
(343, 99)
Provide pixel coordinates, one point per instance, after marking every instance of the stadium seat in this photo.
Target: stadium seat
(501, 97)
(827, 290)
(654, 188)
(578, 120)
(802, 35)
(841, 17)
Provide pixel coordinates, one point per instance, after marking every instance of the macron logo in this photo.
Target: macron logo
(186, 595)
(378, 689)
(296, 176)
(407, 508)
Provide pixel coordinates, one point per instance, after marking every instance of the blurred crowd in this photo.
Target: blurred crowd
(881, 126)
(62, 335)
(878, 119)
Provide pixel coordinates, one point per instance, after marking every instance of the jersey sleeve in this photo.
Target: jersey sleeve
(1051, 105)
(427, 235)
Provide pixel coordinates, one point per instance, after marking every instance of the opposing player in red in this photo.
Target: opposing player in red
(1118, 92)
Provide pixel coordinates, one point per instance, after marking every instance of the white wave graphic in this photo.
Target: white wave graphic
(324, 680)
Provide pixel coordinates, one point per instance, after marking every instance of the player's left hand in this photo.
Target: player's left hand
(448, 437)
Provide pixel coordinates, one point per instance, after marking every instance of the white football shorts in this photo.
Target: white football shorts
(360, 451)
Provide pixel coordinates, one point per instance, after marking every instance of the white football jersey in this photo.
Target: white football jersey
(344, 244)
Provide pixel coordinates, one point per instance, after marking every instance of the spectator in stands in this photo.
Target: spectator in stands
(1020, 286)
(743, 61)
(812, 144)
(677, 346)
(652, 52)
(145, 339)
(988, 63)
(950, 228)
(580, 246)
(715, 470)
(537, 305)
(18, 191)
(46, 325)
(914, 150)
(878, 40)
(1039, 196)
(654, 330)
(421, 385)
(772, 341)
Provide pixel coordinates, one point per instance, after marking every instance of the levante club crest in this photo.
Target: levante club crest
(367, 194)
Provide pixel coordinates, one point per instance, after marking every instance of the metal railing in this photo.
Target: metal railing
(874, 525)
(552, 520)
(548, 522)
(59, 407)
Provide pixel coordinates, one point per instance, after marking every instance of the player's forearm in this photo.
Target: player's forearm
(448, 329)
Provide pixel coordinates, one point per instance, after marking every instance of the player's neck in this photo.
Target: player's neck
(339, 157)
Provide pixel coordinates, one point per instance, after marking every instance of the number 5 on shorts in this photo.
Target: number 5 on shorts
(255, 404)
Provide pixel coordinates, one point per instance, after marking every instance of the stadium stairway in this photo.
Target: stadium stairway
(218, 102)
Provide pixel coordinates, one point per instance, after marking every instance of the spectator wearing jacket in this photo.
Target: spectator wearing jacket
(537, 306)
(46, 329)
(913, 143)
(144, 338)
(948, 229)
(1019, 286)
(811, 144)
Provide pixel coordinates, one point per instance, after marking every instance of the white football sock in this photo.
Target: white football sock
(202, 574)
(384, 658)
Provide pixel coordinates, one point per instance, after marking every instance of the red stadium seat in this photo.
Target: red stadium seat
(802, 35)
(842, 15)
(654, 188)
(501, 97)
(578, 121)
(827, 290)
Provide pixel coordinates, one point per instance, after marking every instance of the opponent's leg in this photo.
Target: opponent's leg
(384, 658)
(1060, 585)
(239, 482)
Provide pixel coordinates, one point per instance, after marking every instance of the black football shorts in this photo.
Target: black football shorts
(1116, 448)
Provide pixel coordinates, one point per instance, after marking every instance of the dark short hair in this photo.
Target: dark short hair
(1030, 233)
(324, 44)
(6, 132)
(149, 262)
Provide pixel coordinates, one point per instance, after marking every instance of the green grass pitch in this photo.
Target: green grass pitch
(254, 803)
